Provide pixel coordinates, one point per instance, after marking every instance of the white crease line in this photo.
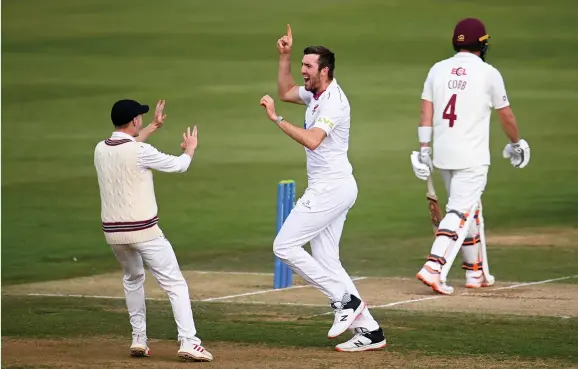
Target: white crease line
(86, 296)
(388, 305)
(534, 283)
(266, 291)
(406, 302)
(253, 293)
(166, 299)
(461, 294)
(478, 293)
(221, 299)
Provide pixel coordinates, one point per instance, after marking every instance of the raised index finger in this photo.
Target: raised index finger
(289, 34)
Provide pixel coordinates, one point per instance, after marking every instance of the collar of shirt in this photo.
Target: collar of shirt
(330, 85)
(121, 136)
(464, 54)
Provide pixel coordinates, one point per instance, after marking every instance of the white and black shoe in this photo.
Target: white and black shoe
(346, 311)
(364, 340)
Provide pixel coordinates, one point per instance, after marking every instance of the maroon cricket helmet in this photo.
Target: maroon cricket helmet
(470, 34)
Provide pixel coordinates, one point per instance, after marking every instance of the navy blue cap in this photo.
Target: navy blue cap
(123, 111)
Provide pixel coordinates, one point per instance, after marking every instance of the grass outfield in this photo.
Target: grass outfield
(418, 338)
(65, 62)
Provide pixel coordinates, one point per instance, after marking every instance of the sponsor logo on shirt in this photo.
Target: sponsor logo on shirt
(459, 71)
(326, 121)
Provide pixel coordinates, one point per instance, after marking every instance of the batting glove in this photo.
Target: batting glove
(425, 158)
(421, 170)
(518, 153)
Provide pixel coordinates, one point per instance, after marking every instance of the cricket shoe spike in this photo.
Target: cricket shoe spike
(346, 311)
(364, 340)
(431, 278)
(478, 280)
(192, 351)
(139, 347)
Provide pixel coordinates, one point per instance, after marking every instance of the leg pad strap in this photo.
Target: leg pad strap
(447, 233)
(474, 266)
(436, 259)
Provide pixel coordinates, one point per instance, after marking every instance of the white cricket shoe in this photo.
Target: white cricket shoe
(363, 340)
(476, 279)
(139, 347)
(192, 351)
(431, 278)
(346, 311)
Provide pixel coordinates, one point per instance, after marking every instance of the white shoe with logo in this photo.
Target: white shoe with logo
(346, 311)
(192, 351)
(364, 340)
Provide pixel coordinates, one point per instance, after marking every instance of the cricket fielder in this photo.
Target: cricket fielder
(458, 96)
(124, 165)
(319, 215)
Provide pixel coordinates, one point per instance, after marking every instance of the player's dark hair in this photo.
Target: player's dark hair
(326, 58)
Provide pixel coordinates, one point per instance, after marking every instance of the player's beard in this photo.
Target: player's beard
(313, 84)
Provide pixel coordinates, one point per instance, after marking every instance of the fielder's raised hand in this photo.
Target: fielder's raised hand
(189, 144)
(159, 117)
(518, 153)
(158, 121)
(285, 43)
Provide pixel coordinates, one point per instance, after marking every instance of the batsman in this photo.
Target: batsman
(457, 100)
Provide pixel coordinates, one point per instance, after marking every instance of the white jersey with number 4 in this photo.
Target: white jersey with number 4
(329, 111)
(463, 90)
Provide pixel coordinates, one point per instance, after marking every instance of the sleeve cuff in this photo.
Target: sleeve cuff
(323, 127)
(501, 106)
(325, 124)
(185, 161)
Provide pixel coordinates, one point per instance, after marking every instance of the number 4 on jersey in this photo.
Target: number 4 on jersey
(450, 110)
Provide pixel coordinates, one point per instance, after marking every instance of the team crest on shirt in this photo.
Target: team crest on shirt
(314, 109)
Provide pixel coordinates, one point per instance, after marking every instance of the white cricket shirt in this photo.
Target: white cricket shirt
(463, 89)
(329, 111)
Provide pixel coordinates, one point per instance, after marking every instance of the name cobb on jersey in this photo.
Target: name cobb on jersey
(457, 84)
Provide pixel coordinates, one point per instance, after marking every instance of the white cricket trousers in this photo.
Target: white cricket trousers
(318, 218)
(160, 258)
(464, 188)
